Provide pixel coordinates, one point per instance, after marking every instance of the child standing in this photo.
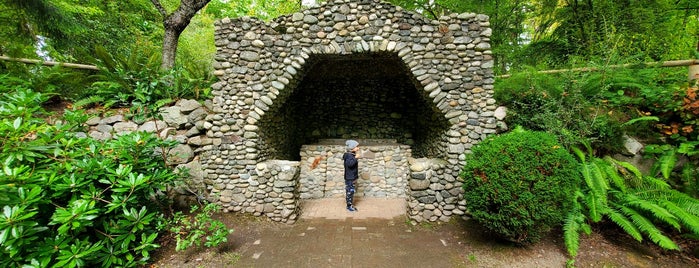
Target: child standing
(351, 172)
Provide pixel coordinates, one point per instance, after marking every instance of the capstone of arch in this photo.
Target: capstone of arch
(417, 94)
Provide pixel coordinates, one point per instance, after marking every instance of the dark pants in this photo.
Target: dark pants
(349, 192)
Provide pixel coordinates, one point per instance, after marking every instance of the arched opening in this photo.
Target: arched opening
(359, 96)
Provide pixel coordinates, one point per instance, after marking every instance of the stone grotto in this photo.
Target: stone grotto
(415, 92)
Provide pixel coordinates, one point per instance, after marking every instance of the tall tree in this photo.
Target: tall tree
(174, 24)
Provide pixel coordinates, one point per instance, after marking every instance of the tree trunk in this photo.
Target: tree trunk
(174, 25)
(169, 48)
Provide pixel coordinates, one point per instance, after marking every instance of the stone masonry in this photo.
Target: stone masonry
(383, 169)
(361, 69)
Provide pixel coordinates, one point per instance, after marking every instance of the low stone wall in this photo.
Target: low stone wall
(434, 193)
(272, 193)
(184, 121)
(383, 169)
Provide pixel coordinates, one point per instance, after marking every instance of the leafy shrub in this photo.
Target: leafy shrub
(559, 104)
(640, 205)
(519, 185)
(73, 201)
(189, 230)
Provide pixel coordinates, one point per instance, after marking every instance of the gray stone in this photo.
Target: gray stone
(631, 146)
(125, 127)
(250, 56)
(93, 121)
(112, 119)
(188, 105)
(173, 116)
(417, 185)
(500, 113)
(152, 126)
(104, 128)
(181, 154)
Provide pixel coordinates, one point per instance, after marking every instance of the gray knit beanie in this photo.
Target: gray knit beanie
(351, 144)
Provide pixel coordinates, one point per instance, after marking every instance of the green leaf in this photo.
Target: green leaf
(17, 123)
(667, 163)
(642, 118)
(3, 236)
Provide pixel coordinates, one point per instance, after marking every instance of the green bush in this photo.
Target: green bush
(520, 185)
(70, 201)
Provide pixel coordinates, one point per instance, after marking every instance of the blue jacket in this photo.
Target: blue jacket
(351, 166)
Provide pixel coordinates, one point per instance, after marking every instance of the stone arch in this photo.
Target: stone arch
(415, 114)
(262, 66)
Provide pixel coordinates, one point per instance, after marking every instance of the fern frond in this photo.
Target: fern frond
(622, 221)
(580, 154)
(642, 118)
(688, 220)
(594, 207)
(684, 201)
(88, 101)
(104, 56)
(598, 176)
(571, 232)
(647, 227)
(656, 211)
(615, 179)
(629, 167)
(655, 184)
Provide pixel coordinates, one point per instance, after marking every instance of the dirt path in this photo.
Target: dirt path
(355, 241)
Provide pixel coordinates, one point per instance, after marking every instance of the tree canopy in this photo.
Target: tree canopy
(550, 33)
(553, 33)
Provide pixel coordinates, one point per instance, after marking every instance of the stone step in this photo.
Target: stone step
(335, 208)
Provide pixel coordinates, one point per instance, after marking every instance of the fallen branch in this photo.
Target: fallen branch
(672, 63)
(51, 63)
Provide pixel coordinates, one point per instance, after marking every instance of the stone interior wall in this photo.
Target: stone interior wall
(349, 69)
(383, 169)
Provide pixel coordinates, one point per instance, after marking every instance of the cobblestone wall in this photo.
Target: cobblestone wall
(383, 169)
(349, 69)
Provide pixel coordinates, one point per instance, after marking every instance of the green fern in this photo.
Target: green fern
(91, 100)
(650, 206)
(689, 220)
(642, 118)
(618, 191)
(571, 232)
(625, 223)
(648, 228)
